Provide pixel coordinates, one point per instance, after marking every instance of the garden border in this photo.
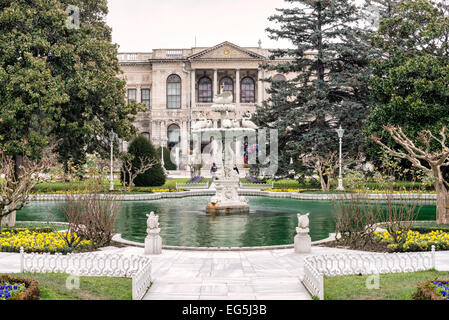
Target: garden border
(138, 268)
(318, 266)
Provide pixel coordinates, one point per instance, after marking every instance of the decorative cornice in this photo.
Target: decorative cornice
(226, 43)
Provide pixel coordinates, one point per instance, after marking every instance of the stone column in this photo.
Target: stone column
(139, 94)
(192, 88)
(237, 86)
(259, 87)
(215, 84)
(238, 154)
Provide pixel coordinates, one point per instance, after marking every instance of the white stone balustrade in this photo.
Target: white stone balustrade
(315, 267)
(92, 264)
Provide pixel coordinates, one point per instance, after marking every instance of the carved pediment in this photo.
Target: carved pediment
(226, 50)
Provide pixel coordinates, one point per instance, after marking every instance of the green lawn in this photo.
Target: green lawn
(52, 286)
(393, 286)
(34, 225)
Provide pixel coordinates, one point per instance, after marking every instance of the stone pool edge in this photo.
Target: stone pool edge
(256, 193)
(118, 238)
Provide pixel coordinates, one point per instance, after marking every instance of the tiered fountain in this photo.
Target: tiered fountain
(226, 199)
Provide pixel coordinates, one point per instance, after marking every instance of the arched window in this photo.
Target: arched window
(279, 77)
(205, 90)
(173, 135)
(173, 92)
(146, 135)
(228, 85)
(248, 90)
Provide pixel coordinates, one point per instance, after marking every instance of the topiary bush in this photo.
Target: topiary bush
(153, 177)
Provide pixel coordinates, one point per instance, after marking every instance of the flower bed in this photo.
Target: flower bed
(393, 191)
(290, 190)
(415, 241)
(18, 288)
(33, 241)
(432, 290)
(196, 179)
(8, 291)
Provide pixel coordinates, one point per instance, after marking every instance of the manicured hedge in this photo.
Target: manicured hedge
(32, 287)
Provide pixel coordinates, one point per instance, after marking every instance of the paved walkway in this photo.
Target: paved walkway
(237, 275)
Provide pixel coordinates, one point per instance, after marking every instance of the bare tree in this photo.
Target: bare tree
(326, 165)
(16, 188)
(131, 171)
(422, 157)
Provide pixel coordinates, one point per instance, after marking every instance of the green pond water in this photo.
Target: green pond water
(184, 222)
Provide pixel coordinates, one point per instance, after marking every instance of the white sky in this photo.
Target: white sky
(144, 25)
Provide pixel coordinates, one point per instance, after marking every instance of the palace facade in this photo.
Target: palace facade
(177, 86)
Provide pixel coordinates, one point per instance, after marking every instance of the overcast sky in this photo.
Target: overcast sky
(143, 25)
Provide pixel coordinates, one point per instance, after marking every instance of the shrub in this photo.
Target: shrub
(138, 149)
(91, 216)
(31, 287)
(356, 220)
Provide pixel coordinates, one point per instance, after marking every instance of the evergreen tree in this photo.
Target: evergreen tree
(410, 74)
(410, 84)
(140, 148)
(59, 79)
(330, 57)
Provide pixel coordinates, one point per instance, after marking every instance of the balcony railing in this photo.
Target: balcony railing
(203, 105)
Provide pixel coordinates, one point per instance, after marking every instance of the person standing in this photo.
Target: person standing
(213, 170)
(236, 169)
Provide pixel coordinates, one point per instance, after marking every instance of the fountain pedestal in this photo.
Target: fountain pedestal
(227, 199)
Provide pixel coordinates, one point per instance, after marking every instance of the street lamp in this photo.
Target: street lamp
(112, 136)
(340, 133)
(163, 141)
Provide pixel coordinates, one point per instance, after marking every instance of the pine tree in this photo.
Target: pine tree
(330, 57)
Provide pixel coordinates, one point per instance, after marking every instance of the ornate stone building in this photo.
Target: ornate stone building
(178, 85)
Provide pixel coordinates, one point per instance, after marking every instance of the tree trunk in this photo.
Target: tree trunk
(442, 197)
(12, 219)
(18, 166)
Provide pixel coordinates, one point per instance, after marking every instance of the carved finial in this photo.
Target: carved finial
(260, 44)
(303, 223)
(152, 221)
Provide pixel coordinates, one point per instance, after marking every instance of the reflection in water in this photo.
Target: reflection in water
(184, 221)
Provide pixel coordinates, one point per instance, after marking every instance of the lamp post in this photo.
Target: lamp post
(163, 142)
(340, 133)
(111, 178)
